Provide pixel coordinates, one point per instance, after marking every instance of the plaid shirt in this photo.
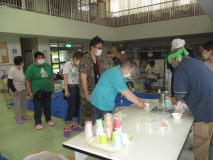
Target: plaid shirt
(86, 67)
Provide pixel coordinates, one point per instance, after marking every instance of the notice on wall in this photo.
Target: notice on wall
(45, 55)
(14, 51)
(3, 52)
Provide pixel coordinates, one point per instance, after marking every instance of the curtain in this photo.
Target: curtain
(119, 5)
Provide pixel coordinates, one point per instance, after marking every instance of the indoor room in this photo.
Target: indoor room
(100, 79)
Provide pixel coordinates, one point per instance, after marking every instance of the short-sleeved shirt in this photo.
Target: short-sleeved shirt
(210, 65)
(195, 80)
(72, 70)
(86, 67)
(155, 69)
(40, 77)
(110, 83)
(18, 78)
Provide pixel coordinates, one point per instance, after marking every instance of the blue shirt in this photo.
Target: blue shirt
(108, 86)
(195, 80)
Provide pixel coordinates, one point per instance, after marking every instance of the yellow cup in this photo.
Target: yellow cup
(113, 135)
(103, 138)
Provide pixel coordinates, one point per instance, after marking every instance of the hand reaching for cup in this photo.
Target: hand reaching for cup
(141, 104)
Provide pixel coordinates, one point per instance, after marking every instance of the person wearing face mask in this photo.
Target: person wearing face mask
(40, 85)
(110, 84)
(90, 70)
(16, 84)
(153, 72)
(71, 87)
(207, 53)
(196, 91)
(177, 44)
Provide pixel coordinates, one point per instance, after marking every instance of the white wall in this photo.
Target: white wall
(179, 26)
(12, 41)
(25, 22)
(43, 45)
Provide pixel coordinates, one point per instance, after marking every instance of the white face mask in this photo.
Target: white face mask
(127, 75)
(98, 53)
(40, 61)
(77, 63)
(22, 64)
(205, 56)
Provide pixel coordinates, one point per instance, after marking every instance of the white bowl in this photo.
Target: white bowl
(176, 115)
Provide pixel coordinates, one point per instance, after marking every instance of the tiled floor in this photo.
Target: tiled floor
(17, 141)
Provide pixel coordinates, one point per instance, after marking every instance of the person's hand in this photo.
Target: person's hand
(67, 93)
(16, 93)
(174, 102)
(31, 95)
(140, 100)
(141, 104)
(87, 97)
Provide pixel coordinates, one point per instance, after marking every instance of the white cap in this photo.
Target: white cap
(177, 43)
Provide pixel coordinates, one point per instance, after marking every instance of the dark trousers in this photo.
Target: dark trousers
(130, 83)
(148, 83)
(44, 102)
(99, 114)
(73, 102)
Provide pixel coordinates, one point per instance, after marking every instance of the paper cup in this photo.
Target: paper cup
(98, 132)
(124, 139)
(99, 123)
(168, 103)
(103, 138)
(117, 142)
(113, 135)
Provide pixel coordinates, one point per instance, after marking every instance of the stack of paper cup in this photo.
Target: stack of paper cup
(117, 125)
(99, 128)
(108, 125)
(88, 129)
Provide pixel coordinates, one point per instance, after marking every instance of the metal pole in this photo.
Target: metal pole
(49, 7)
(164, 72)
(194, 7)
(148, 13)
(170, 11)
(71, 10)
(129, 17)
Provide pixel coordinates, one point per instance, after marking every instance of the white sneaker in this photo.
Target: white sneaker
(39, 127)
(50, 123)
(133, 89)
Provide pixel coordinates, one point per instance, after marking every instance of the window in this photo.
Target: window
(120, 5)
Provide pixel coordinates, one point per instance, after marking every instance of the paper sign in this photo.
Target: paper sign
(3, 52)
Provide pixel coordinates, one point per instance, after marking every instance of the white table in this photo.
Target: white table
(149, 142)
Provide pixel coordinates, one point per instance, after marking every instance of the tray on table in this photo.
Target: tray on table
(163, 110)
(93, 142)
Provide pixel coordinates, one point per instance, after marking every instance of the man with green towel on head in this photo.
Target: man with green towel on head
(193, 85)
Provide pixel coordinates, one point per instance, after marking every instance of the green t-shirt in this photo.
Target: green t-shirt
(40, 77)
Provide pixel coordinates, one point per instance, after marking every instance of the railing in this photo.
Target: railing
(79, 11)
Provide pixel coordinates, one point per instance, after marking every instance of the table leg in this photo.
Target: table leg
(80, 156)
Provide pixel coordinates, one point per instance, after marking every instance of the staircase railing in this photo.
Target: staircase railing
(89, 13)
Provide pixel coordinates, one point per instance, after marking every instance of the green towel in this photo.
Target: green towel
(177, 55)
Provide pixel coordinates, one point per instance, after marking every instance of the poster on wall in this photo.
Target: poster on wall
(45, 55)
(14, 52)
